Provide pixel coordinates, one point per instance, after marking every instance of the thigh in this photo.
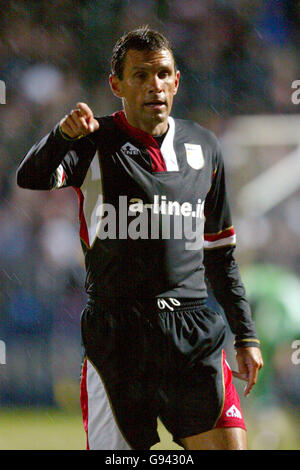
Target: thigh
(193, 384)
(207, 406)
(217, 439)
(118, 390)
(198, 394)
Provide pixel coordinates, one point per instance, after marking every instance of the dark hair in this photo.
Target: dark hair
(141, 39)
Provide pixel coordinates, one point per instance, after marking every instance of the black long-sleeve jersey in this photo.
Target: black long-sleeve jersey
(148, 233)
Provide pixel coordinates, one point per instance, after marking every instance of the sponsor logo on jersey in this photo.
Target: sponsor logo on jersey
(233, 412)
(194, 156)
(129, 150)
(166, 207)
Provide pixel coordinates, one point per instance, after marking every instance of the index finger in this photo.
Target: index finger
(84, 109)
(252, 378)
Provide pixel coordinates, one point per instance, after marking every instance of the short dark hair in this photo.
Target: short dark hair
(141, 39)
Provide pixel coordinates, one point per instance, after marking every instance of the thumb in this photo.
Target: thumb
(240, 375)
(93, 125)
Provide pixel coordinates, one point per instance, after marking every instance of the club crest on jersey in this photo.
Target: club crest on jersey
(129, 150)
(194, 156)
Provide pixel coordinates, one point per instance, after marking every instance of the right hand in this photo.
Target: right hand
(80, 121)
(249, 360)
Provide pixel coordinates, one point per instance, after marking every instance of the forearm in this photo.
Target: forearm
(223, 275)
(37, 169)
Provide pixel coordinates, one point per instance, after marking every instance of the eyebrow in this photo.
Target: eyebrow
(139, 67)
(146, 67)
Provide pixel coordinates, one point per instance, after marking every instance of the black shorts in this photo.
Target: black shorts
(145, 361)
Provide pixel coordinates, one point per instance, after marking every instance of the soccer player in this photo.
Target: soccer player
(154, 221)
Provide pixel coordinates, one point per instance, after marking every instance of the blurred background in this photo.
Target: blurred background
(238, 60)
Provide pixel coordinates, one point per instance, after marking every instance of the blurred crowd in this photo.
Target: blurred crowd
(236, 57)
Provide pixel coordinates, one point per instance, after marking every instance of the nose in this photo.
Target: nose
(155, 84)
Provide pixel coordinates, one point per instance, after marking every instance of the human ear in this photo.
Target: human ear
(177, 77)
(115, 85)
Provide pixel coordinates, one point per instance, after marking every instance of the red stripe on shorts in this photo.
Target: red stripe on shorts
(232, 415)
(84, 401)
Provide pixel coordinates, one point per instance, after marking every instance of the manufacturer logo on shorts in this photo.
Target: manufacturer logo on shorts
(233, 412)
(194, 156)
(129, 150)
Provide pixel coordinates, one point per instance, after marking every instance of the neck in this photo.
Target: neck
(152, 128)
(155, 130)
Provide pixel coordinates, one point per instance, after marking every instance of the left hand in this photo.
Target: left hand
(249, 362)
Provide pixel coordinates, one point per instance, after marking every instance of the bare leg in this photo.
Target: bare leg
(217, 439)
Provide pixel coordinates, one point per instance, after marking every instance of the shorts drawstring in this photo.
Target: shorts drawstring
(162, 303)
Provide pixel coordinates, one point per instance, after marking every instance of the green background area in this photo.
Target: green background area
(50, 429)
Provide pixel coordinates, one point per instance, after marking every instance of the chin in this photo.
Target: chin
(160, 116)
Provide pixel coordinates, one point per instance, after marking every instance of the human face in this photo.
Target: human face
(147, 89)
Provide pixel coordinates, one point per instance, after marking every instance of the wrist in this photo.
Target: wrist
(66, 136)
(246, 343)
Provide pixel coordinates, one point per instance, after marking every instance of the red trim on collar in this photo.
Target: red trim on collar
(158, 163)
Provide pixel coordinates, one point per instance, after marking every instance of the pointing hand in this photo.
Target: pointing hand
(79, 122)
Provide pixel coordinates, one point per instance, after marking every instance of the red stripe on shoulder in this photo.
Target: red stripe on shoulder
(211, 237)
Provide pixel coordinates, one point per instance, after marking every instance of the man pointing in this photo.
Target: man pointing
(153, 348)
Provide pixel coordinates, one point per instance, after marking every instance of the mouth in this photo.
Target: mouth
(155, 104)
